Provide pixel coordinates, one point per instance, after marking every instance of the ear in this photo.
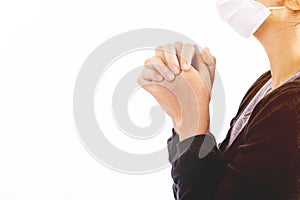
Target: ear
(292, 4)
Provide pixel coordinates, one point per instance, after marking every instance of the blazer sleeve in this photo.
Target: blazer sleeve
(196, 167)
(266, 165)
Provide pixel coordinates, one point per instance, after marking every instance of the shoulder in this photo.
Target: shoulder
(286, 97)
(259, 83)
(279, 111)
(254, 89)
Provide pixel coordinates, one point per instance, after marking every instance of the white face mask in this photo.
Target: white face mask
(244, 16)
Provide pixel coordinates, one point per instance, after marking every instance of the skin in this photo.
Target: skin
(185, 97)
(280, 37)
(184, 92)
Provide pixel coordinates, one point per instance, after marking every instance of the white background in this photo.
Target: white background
(42, 47)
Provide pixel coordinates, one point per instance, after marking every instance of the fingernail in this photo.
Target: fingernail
(158, 78)
(184, 66)
(175, 70)
(170, 76)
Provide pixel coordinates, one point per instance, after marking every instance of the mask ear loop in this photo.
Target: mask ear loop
(276, 7)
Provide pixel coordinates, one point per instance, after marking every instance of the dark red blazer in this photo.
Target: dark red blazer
(262, 163)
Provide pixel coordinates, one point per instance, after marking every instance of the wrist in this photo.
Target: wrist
(185, 133)
(194, 120)
(183, 137)
(192, 128)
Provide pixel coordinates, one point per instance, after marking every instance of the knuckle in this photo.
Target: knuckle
(178, 46)
(147, 62)
(143, 73)
(169, 48)
(169, 45)
(189, 46)
(177, 43)
(189, 50)
(139, 80)
(155, 59)
(158, 48)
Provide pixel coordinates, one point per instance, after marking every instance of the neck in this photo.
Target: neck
(280, 36)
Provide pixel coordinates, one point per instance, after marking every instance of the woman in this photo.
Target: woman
(259, 159)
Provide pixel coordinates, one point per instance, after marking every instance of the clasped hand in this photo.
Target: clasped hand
(180, 78)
